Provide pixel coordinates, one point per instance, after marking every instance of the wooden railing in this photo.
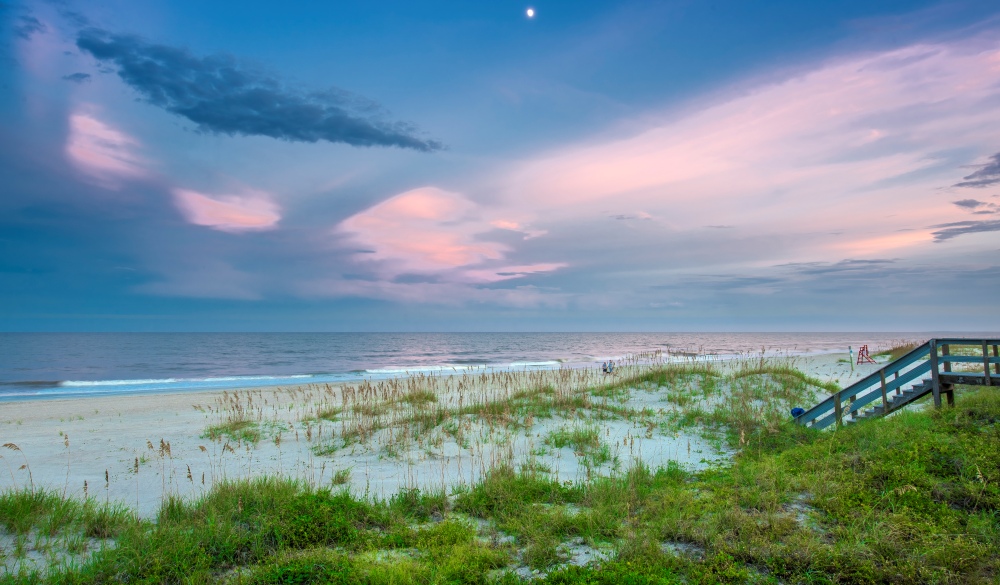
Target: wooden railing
(926, 369)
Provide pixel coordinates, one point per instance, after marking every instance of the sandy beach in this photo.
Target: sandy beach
(420, 432)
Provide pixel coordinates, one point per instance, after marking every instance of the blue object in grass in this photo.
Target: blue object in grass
(797, 412)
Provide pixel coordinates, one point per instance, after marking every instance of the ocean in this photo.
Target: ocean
(64, 365)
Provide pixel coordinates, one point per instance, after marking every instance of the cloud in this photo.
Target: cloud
(221, 96)
(977, 207)
(988, 175)
(27, 26)
(423, 231)
(959, 228)
(430, 231)
(514, 226)
(642, 215)
(448, 294)
(969, 203)
(252, 211)
(103, 152)
(77, 77)
(830, 161)
(508, 272)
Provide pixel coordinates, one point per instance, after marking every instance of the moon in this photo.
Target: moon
(530, 12)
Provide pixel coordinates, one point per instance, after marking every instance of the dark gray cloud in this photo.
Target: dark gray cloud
(844, 267)
(988, 175)
(27, 26)
(77, 77)
(977, 207)
(969, 203)
(221, 96)
(948, 231)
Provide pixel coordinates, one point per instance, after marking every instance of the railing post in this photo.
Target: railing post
(935, 381)
(885, 399)
(838, 409)
(986, 363)
(946, 350)
(898, 389)
(996, 367)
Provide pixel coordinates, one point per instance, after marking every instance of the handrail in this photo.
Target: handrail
(966, 341)
(935, 355)
(864, 384)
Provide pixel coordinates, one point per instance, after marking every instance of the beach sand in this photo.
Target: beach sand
(150, 447)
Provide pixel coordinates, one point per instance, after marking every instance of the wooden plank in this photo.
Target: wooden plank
(963, 378)
(996, 359)
(824, 422)
(967, 359)
(873, 394)
(936, 388)
(885, 398)
(867, 398)
(815, 412)
(945, 352)
(986, 363)
(967, 341)
(864, 391)
(916, 354)
(907, 377)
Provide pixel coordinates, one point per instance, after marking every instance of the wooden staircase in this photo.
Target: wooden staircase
(927, 369)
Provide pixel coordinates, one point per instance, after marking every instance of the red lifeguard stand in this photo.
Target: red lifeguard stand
(864, 357)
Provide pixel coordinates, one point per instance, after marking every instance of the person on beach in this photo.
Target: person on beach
(611, 367)
(604, 367)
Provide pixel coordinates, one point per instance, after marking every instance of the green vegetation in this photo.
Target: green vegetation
(242, 431)
(585, 442)
(912, 498)
(898, 349)
(235, 430)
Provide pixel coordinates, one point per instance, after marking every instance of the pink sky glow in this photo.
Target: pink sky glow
(844, 160)
(853, 145)
(252, 211)
(432, 231)
(103, 152)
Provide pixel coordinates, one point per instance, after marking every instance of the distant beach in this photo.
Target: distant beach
(379, 436)
(64, 365)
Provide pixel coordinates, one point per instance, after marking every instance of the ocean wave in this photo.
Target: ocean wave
(419, 369)
(33, 384)
(161, 381)
(477, 365)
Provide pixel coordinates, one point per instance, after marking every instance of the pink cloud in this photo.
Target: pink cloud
(435, 232)
(426, 230)
(514, 226)
(251, 211)
(103, 152)
(848, 159)
(508, 272)
(852, 145)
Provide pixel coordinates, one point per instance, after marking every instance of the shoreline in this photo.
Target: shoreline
(128, 388)
(377, 437)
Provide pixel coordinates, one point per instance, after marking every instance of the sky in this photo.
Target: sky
(602, 165)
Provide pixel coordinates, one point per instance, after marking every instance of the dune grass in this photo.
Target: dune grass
(911, 498)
